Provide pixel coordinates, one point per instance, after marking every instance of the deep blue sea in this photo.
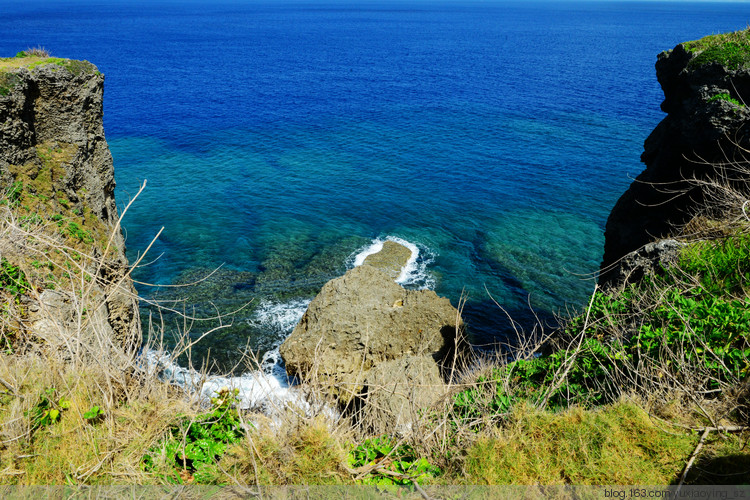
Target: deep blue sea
(281, 139)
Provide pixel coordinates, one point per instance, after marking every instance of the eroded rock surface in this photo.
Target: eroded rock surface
(58, 175)
(391, 259)
(363, 319)
(398, 392)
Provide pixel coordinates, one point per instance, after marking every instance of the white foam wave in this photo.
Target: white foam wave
(265, 389)
(414, 272)
(280, 317)
(255, 389)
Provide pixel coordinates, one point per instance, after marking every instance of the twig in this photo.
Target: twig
(420, 490)
(692, 458)
(721, 428)
(10, 388)
(706, 430)
(560, 378)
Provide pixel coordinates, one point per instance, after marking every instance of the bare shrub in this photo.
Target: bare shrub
(37, 51)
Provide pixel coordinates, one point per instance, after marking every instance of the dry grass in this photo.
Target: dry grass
(614, 445)
(30, 56)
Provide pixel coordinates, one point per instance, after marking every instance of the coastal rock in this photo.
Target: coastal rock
(706, 126)
(399, 391)
(391, 259)
(57, 171)
(363, 319)
(651, 258)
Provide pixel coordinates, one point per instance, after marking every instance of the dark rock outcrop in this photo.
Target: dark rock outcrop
(58, 175)
(651, 258)
(705, 127)
(363, 319)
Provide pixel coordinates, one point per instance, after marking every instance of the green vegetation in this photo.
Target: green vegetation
(727, 98)
(617, 444)
(193, 446)
(37, 57)
(689, 325)
(387, 462)
(33, 52)
(12, 279)
(47, 410)
(729, 49)
(7, 82)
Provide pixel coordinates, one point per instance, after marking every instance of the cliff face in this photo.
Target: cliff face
(705, 84)
(59, 217)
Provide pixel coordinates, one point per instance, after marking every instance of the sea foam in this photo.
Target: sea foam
(266, 388)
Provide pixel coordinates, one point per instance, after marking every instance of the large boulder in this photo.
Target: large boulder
(363, 319)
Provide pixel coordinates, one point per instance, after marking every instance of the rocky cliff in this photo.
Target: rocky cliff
(706, 86)
(63, 254)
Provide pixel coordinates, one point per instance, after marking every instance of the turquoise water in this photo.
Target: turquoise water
(280, 140)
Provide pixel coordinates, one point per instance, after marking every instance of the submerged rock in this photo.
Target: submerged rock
(363, 319)
(391, 259)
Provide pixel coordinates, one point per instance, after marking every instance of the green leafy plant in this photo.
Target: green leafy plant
(77, 232)
(727, 98)
(194, 445)
(95, 414)
(392, 464)
(47, 411)
(12, 279)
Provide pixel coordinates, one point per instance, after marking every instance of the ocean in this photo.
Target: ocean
(280, 140)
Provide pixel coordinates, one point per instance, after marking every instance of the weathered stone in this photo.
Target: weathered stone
(651, 258)
(362, 319)
(398, 393)
(52, 145)
(391, 259)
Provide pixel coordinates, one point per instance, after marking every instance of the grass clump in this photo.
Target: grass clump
(617, 444)
(291, 450)
(38, 51)
(728, 49)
